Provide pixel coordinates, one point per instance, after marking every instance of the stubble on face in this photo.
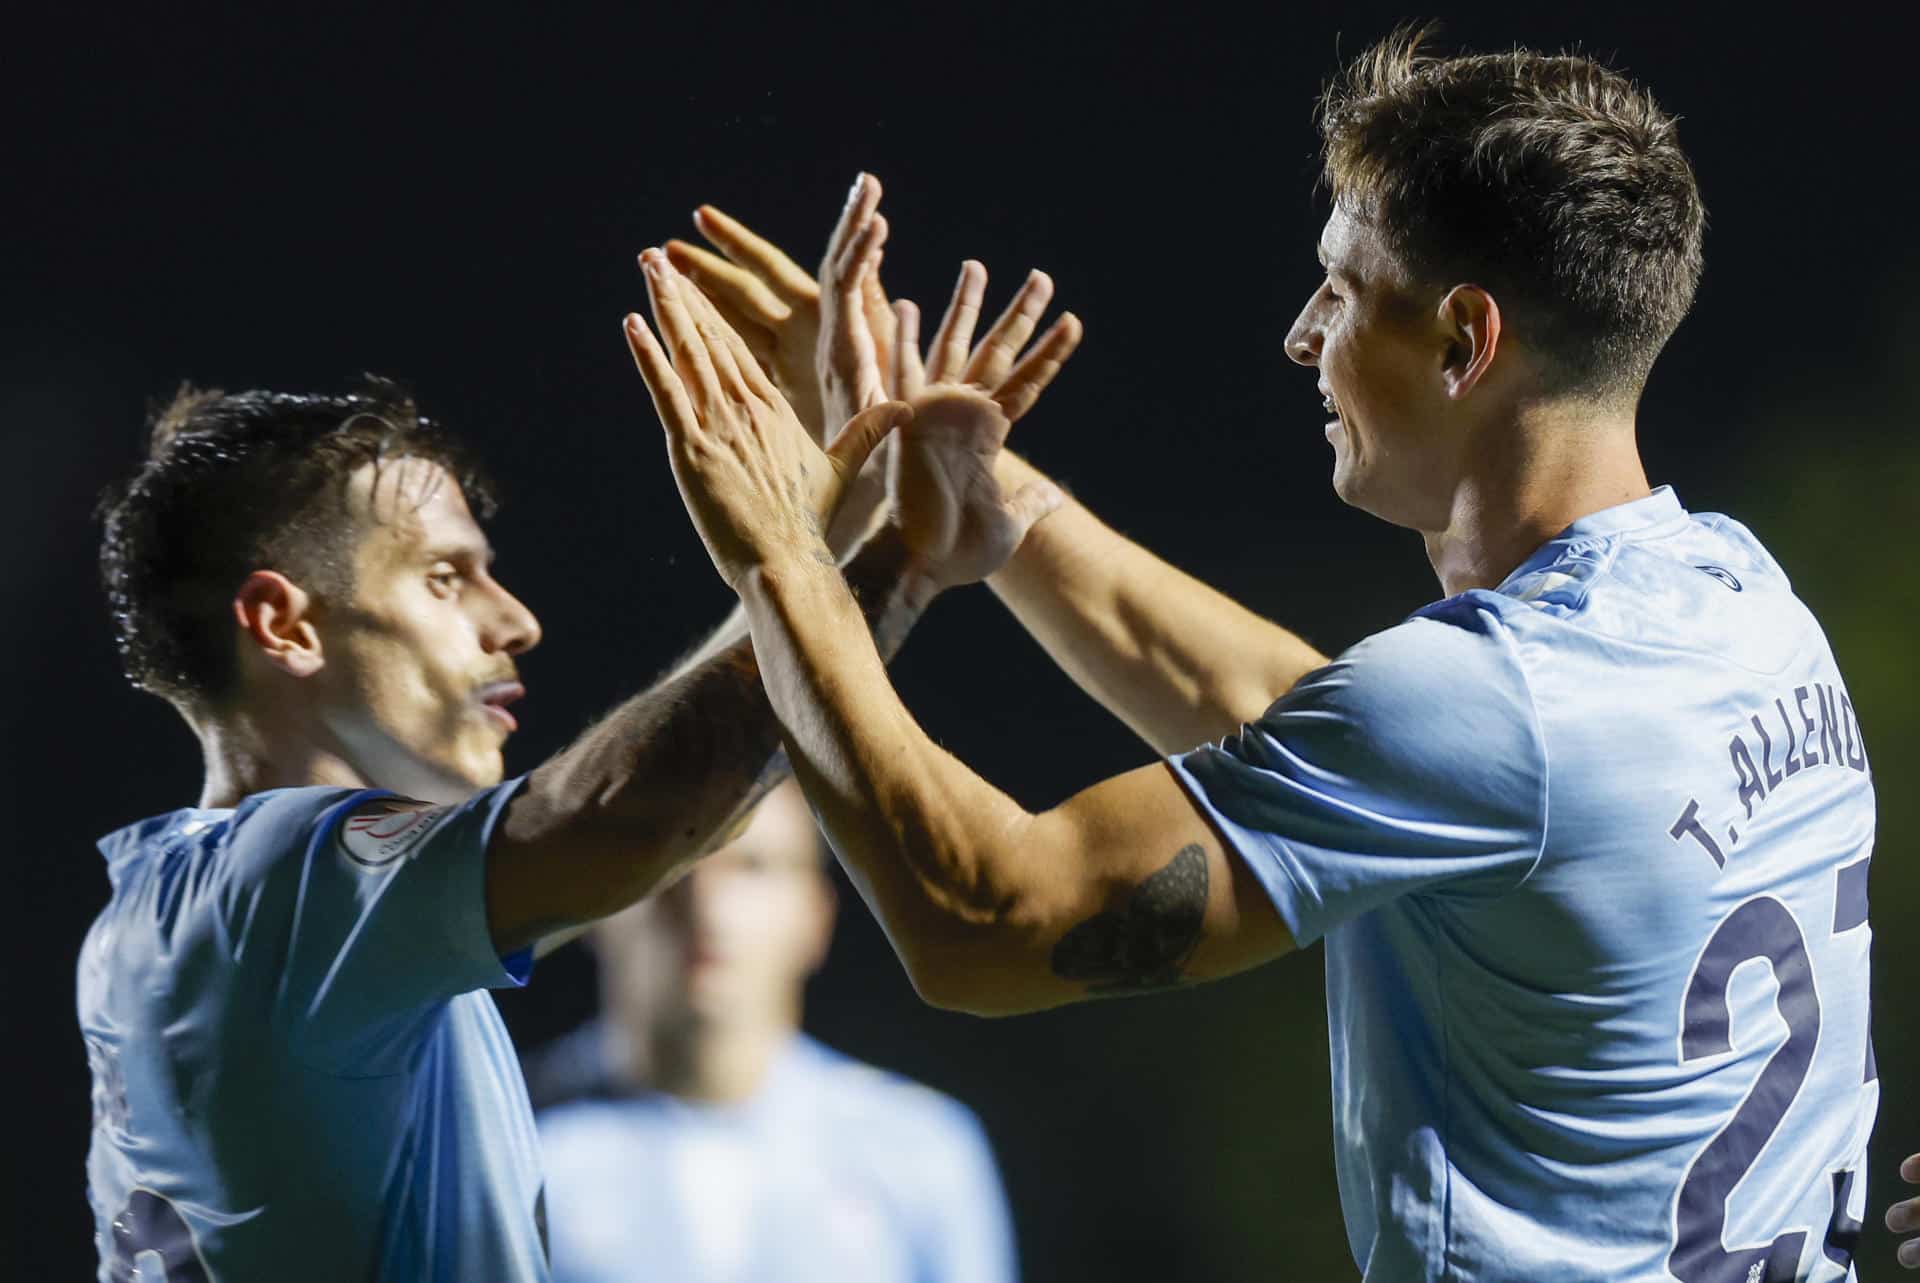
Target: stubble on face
(406, 661)
(1379, 359)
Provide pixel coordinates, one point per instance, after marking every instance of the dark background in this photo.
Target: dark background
(455, 198)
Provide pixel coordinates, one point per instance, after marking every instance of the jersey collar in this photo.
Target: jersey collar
(1656, 510)
(1660, 506)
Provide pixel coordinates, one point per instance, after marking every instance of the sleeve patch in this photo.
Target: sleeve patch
(381, 832)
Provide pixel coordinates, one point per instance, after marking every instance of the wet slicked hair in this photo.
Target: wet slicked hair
(238, 482)
(1549, 179)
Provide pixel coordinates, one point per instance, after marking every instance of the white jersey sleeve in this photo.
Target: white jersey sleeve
(1412, 764)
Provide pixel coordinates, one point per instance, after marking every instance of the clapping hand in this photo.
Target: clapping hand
(793, 321)
(948, 505)
(753, 478)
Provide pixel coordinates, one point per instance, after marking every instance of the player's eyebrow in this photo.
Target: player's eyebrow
(481, 551)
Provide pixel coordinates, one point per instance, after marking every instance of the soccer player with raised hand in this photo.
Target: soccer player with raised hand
(297, 1074)
(1587, 840)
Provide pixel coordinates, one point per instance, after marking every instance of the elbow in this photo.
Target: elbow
(950, 990)
(977, 970)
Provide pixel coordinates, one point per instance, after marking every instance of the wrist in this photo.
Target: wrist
(885, 567)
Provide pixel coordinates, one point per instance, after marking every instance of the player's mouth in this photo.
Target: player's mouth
(494, 698)
(1332, 405)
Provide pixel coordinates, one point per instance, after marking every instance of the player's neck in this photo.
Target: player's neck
(714, 1063)
(242, 759)
(1525, 484)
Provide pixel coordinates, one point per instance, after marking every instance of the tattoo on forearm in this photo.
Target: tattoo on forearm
(1145, 943)
(874, 578)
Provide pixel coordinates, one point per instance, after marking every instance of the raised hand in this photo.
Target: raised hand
(957, 524)
(752, 477)
(775, 305)
(951, 512)
(996, 366)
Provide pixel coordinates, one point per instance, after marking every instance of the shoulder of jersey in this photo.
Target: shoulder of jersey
(382, 831)
(864, 1090)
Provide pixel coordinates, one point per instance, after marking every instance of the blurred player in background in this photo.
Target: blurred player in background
(694, 1134)
(1587, 841)
(297, 1072)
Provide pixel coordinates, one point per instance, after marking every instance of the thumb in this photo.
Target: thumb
(865, 431)
(1034, 501)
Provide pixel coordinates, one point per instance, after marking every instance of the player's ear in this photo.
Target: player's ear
(275, 618)
(1470, 318)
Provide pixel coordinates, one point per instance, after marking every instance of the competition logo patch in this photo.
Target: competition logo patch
(382, 831)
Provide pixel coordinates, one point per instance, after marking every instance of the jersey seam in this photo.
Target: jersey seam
(1546, 768)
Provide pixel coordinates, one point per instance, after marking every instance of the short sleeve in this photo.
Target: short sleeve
(388, 918)
(1411, 765)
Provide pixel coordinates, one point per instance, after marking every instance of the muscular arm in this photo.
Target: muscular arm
(993, 909)
(1177, 661)
(662, 778)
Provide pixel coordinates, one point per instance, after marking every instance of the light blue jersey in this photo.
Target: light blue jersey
(295, 1074)
(1589, 853)
(833, 1170)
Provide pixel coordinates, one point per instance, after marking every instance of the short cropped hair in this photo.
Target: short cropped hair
(1549, 179)
(238, 482)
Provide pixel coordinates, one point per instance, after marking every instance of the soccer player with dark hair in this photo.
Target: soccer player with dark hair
(297, 1074)
(1587, 840)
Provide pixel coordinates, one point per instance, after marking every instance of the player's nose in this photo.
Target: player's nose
(511, 626)
(1304, 339)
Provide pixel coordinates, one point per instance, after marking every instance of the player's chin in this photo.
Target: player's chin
(478, 763)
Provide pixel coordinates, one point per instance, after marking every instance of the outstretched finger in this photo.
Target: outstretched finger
(857, 259)
(669, 395)
(758, 338)
(954, 338)
(761, 257)
(880, 319)
(909, 376)
(1037, 368)
(679, 332)
(733, 361)
(738, 288)
(855, 218)
(988, 365)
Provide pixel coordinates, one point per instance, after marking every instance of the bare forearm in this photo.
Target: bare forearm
(926, 841)
(665, 777)
(1177, 661)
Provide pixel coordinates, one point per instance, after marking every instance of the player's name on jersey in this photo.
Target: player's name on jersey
(1809, 727)
(1798, 731)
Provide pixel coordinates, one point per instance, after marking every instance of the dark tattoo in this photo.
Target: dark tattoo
(874, 579)
(1145, 943)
